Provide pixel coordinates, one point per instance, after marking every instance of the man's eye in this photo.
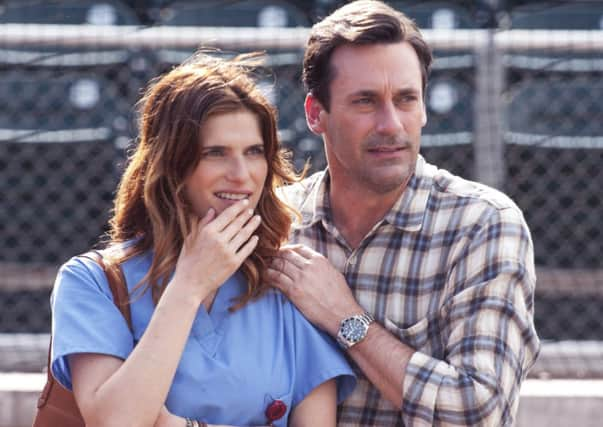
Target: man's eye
(363, 100)
(407, 99)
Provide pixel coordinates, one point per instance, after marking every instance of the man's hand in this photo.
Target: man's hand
(316, 288)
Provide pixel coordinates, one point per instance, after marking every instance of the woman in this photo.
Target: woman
(195, 224)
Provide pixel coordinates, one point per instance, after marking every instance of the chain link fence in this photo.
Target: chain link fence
(526, 118)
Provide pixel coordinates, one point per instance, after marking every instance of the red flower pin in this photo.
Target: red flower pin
(275, 411)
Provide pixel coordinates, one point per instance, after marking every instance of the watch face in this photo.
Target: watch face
(353, 330)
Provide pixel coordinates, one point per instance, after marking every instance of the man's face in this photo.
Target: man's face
(372, 130)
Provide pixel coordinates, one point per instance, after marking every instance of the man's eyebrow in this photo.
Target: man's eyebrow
(364, 92)
(398, 92)
(407, 91)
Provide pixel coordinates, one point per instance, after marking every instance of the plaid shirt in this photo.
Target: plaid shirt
(450, 272)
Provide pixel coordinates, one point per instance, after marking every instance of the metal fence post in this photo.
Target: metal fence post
(488, 148)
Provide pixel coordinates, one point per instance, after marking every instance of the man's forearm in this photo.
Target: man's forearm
(383, 358)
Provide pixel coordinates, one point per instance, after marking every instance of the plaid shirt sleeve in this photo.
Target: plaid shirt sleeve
(489, 338)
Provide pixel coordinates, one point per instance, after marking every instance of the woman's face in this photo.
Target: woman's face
(232, 166)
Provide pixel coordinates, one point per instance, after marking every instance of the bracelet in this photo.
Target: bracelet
(194, 423)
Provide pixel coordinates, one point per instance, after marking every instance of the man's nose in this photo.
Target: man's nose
(389, 121)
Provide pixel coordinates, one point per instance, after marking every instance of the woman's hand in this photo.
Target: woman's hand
(216, 247)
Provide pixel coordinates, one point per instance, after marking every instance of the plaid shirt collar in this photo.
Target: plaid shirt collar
(406, 214)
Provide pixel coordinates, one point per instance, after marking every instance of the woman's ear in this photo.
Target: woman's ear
(315, 114)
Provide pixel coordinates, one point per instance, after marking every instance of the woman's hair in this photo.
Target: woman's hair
(150, 208)
(362, 22)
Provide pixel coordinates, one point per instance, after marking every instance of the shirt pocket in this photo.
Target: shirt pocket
(415, 335)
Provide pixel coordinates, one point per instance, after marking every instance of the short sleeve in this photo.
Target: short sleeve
(318, 359)
(84, 317)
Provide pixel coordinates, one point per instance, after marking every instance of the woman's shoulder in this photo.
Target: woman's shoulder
(277, 301)
(87, 267)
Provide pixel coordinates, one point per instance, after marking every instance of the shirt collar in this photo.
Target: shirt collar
(316, 207)
(408, 211)
(406, 214)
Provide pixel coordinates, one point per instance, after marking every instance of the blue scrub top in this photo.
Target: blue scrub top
(234, 364)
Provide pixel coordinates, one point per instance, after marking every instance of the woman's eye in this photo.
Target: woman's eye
(212, 153)
(256, 150)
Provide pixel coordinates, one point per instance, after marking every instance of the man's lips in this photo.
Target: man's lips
(386, 149)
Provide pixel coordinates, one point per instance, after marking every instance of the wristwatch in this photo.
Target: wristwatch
(353, 329)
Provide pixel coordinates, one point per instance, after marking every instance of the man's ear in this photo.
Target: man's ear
(424, 112)
(424, 118)
(315, 114)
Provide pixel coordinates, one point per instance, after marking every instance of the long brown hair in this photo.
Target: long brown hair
(150, 208)
(362, 22)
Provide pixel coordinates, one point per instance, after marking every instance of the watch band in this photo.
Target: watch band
(367, 318)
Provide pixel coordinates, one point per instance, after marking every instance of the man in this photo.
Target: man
(429, 282)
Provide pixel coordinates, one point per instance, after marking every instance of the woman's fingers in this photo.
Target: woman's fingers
(237, 225)
(209, 216)
(245, 233)
(229, 214)
(247, 248)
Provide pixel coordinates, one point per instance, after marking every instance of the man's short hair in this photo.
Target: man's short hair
(362, 22)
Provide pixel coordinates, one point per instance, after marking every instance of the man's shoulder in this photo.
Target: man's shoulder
(447, 185)
(297, 193)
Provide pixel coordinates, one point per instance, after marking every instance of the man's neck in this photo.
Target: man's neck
(356, 210)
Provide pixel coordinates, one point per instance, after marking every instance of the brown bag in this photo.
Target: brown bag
(56, 405)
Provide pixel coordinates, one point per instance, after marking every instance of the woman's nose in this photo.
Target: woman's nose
(238, 169)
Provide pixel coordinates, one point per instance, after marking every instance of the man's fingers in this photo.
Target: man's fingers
(294, 258)
(301, 250)
(292, 246)
(305, 251)
(278, 264)
(279, 280)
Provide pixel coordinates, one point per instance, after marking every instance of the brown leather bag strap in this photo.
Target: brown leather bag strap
(117, 283)
(119, 289)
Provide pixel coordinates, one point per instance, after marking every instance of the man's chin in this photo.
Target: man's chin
(386, 181)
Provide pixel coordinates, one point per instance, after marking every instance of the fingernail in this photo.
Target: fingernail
(250, 211)
(257, 218)
(245, 201)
